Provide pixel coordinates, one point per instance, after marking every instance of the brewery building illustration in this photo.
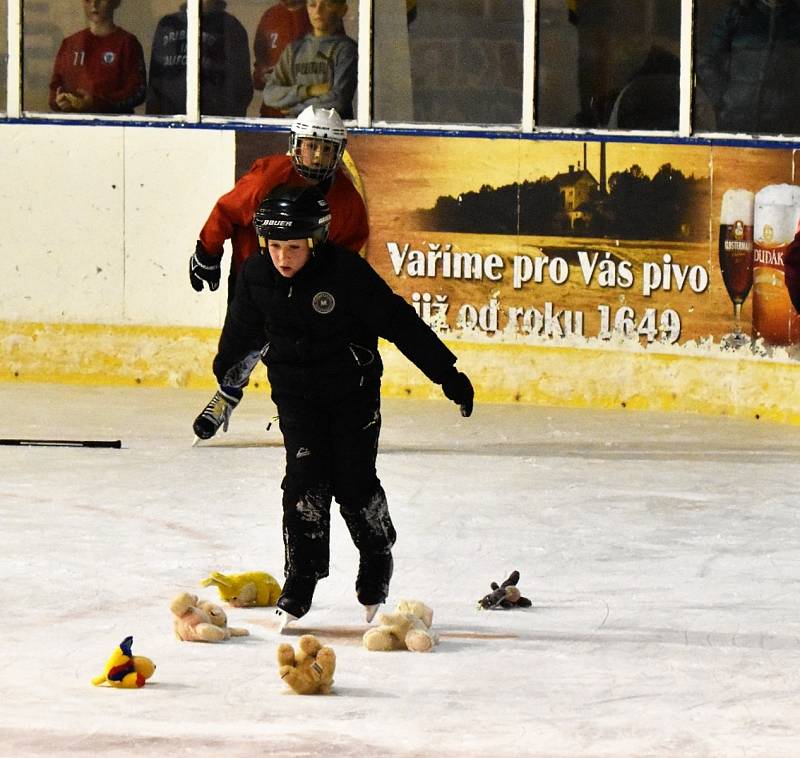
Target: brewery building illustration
(577, 202)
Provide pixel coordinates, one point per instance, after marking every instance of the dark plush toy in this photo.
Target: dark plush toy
(507, 595)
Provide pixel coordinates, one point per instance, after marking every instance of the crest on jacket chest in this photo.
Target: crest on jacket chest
(323, 302)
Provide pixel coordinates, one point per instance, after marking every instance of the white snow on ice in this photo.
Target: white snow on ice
(661, 553)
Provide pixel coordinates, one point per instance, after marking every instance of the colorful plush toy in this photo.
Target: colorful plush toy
(408, 628)
(201, 621)
(124, 669)
(254, 588)
(506, 595)
(310, 670)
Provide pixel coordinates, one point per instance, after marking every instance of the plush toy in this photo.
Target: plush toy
(124, 669)
(245, 590)
(507, 595)
(201, 621)
(408, 628)
(310, 670)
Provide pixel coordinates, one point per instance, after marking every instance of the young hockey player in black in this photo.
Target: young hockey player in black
(313, 312)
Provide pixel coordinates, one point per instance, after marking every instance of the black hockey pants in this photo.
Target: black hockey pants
(330, 453)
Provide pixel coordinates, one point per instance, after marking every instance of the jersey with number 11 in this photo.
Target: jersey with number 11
(110, 68)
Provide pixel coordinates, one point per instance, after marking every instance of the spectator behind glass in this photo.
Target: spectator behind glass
(320, 69)
(284, 22)
(225, 88)
(651, 99)
(749, 69)
(99, 69)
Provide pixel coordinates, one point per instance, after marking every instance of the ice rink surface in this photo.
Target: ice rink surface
(661, 553)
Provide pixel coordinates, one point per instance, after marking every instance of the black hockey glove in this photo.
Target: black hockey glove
(203, 267)
(458, 388)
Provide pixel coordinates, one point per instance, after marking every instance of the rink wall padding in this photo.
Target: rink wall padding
(95, 354)
(581, 270)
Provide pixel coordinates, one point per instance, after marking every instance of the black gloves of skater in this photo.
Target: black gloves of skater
(203, 267)
(458, 388)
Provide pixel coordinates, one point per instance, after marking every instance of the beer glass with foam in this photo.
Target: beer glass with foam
(775, 216)
(736, 253)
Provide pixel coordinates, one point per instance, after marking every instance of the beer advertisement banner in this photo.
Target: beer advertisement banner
(646, 246)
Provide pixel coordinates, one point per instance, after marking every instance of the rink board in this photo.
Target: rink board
(93, 269)
(578, 377)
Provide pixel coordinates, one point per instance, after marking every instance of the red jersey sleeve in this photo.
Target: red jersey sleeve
(349, 224)
(791, 263)
(232, 216)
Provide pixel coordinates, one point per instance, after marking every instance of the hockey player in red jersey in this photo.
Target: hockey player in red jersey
(99, 69)
(317, 143)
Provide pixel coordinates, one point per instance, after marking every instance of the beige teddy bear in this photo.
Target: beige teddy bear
(310, 670)
(201, 621)
(408, 628)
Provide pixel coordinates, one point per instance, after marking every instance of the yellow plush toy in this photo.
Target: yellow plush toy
(201, 621)
(408, 628)
(254, 588)
(310, 670)
(124, 669)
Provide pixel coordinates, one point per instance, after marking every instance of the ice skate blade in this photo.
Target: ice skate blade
(370, 611)
(284, 619)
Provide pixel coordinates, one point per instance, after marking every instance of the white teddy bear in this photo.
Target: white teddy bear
(408, 628)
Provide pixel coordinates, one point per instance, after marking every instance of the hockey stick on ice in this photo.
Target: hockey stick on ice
(63, 443)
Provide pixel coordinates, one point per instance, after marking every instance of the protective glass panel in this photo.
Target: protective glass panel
(305, 52)
(88, 56)
(747, 61)
(3, 54)
(608, 64)
(448, 61)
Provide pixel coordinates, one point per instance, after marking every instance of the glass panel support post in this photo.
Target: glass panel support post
(193, 61)
(529, 9)
(686, 78)
(14, 68)
(364, 108)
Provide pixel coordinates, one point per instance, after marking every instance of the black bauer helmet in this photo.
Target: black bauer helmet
(291, 213)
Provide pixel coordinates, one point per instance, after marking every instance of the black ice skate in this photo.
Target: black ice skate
(372, 583)
(216, 414)
(295, 599)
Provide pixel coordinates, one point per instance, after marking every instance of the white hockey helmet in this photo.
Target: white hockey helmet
(322, 124)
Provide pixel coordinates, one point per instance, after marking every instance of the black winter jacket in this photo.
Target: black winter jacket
(225, 85)
(750, 68)
(318, 332)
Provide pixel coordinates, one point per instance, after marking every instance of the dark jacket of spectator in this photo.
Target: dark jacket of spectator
(749, 70)
(225, 85)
